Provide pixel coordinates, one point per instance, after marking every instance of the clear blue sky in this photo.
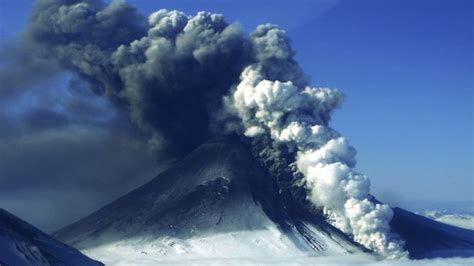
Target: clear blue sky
(405, 66)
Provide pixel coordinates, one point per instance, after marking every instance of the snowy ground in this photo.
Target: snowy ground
(252, 247)
(266, 247)
(135, 257)
(261, 247)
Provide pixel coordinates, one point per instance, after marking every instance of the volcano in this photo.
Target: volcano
(218, 201)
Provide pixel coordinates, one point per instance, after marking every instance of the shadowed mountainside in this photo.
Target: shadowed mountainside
(23, 244)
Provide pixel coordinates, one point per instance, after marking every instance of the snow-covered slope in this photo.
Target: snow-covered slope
(218, 202)
(22, 244)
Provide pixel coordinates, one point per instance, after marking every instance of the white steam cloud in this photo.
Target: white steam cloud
(294, 114)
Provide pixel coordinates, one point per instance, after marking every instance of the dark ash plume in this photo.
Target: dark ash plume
(169, 73)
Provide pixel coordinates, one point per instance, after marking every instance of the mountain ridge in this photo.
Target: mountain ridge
(23, 244)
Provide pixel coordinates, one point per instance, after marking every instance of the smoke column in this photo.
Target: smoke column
(271, 101)
(172, 71)
(168, 72)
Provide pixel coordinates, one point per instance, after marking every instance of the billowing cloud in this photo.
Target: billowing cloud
(168, 73)
(273, 101)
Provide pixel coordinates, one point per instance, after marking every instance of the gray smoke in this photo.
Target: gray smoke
(168, 72)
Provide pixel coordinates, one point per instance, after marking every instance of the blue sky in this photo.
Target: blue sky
(406, 68)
